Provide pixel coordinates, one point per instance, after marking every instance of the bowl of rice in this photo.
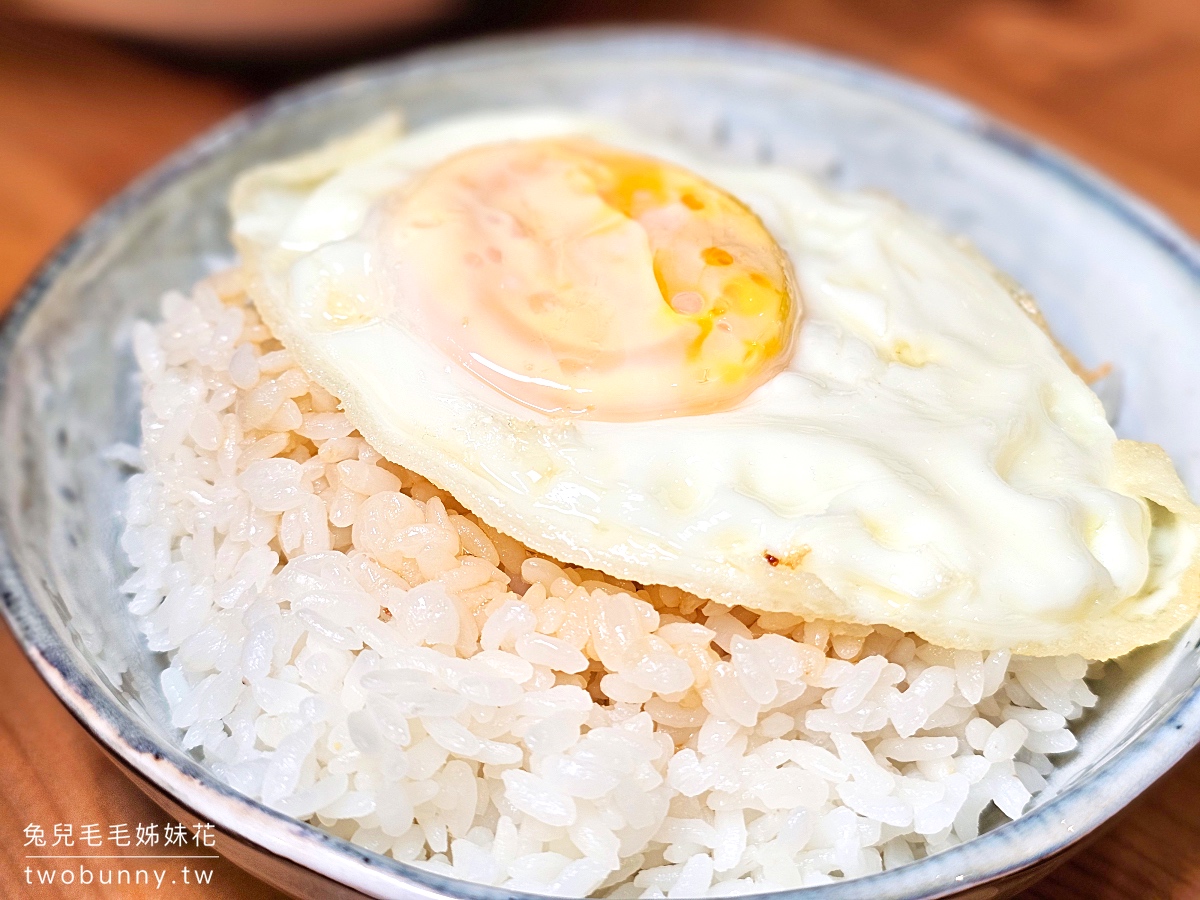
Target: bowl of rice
(177, 482)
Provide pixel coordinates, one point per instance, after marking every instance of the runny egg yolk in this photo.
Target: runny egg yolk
(577, 278)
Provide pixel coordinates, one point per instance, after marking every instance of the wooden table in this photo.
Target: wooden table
(1116, 82)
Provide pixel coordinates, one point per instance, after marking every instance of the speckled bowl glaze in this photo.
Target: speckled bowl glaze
(1116, 279)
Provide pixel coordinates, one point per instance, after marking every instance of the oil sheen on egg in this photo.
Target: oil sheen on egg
(727, 379)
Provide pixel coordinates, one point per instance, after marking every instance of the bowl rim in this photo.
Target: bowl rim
(1039, 835)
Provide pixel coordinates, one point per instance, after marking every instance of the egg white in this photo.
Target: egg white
(927, 460)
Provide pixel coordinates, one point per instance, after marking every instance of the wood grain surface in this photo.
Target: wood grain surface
(1116, 82)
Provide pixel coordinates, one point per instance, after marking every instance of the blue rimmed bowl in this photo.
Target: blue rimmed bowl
(1117, 281)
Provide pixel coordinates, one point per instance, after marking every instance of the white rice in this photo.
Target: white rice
(349, 647)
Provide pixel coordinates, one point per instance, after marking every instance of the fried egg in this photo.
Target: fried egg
(731, 380)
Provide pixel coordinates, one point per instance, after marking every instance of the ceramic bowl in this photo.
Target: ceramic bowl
(1117, 281)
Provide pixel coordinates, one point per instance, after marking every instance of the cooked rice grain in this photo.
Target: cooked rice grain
(350, 647)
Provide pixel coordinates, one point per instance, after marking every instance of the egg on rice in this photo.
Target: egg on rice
(544, 506)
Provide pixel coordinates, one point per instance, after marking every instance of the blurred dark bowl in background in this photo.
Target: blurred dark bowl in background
(275, 27)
